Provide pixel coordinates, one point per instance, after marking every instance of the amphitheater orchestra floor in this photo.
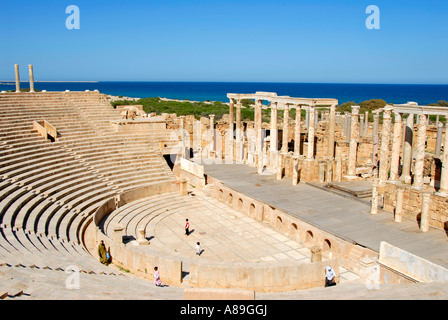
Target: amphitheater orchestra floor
(226, 235)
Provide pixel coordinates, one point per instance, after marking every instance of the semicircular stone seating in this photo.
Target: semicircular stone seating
(49, 190)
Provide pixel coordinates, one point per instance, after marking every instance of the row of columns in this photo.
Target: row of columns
(406, 137)
(273, 157)
(17, 75)
(402, 140)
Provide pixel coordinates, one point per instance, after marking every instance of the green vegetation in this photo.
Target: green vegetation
(198, 109)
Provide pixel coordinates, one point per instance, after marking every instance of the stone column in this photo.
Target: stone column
(31, 78)
(274, 135)
(361, 125)
(331, 131)
(403, 134)
(297, 130)
(374, 204)
(259, 132)
(182, 136)
(230, 133)
(426, 214)
(310, 152)
(238, 132)
(295, 171)
(384, 152)
(285, 135)
(16, 69)
(307, 117)
(366, 123)
(399, 205)
(354, 136)
(420, 153)
(443, 190)
(376, 121)
(338, 168)
(376, 140)
(238, 120)
(279, 166)
(407, 149)
(396, 147)
(212, 151)
(348, 127)
(439, 138)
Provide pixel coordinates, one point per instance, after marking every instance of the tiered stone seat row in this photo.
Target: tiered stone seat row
(48, 191)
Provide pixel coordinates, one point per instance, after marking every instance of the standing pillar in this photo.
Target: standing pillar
(310, 151)
(354, 136)
(331, 131)
(385, 140)
(338, 168)
(439, 138)
(182, 137)
(279, 166)
(420, 154)
(426, 214)
(307, 117)
(366, 123)
(31, 78)
(374, 204)
(16, 69)
(443, 190)
(297, 130)
(212, 137)
(259, 133)
(295, 171)
(376, 139)
(239, 133)
(399, 205)
(230, 130)
(361, 125)
(407, 149)
(396, 147)
(285, 135)
(274, 135)
(348, 127)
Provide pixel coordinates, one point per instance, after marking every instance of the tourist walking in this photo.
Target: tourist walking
(102, 252)
(187, 227)
(330, 276)
(198, 248)
(157, 280)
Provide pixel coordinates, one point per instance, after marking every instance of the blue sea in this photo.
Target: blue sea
(217, 91)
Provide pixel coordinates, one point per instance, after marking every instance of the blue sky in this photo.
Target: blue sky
(194, 40)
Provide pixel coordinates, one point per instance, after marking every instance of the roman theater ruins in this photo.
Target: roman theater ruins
(272, 201)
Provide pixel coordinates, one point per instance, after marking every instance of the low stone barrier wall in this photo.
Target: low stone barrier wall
(416, 269)
(266, 277)
(192, 172)
(138, 125)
